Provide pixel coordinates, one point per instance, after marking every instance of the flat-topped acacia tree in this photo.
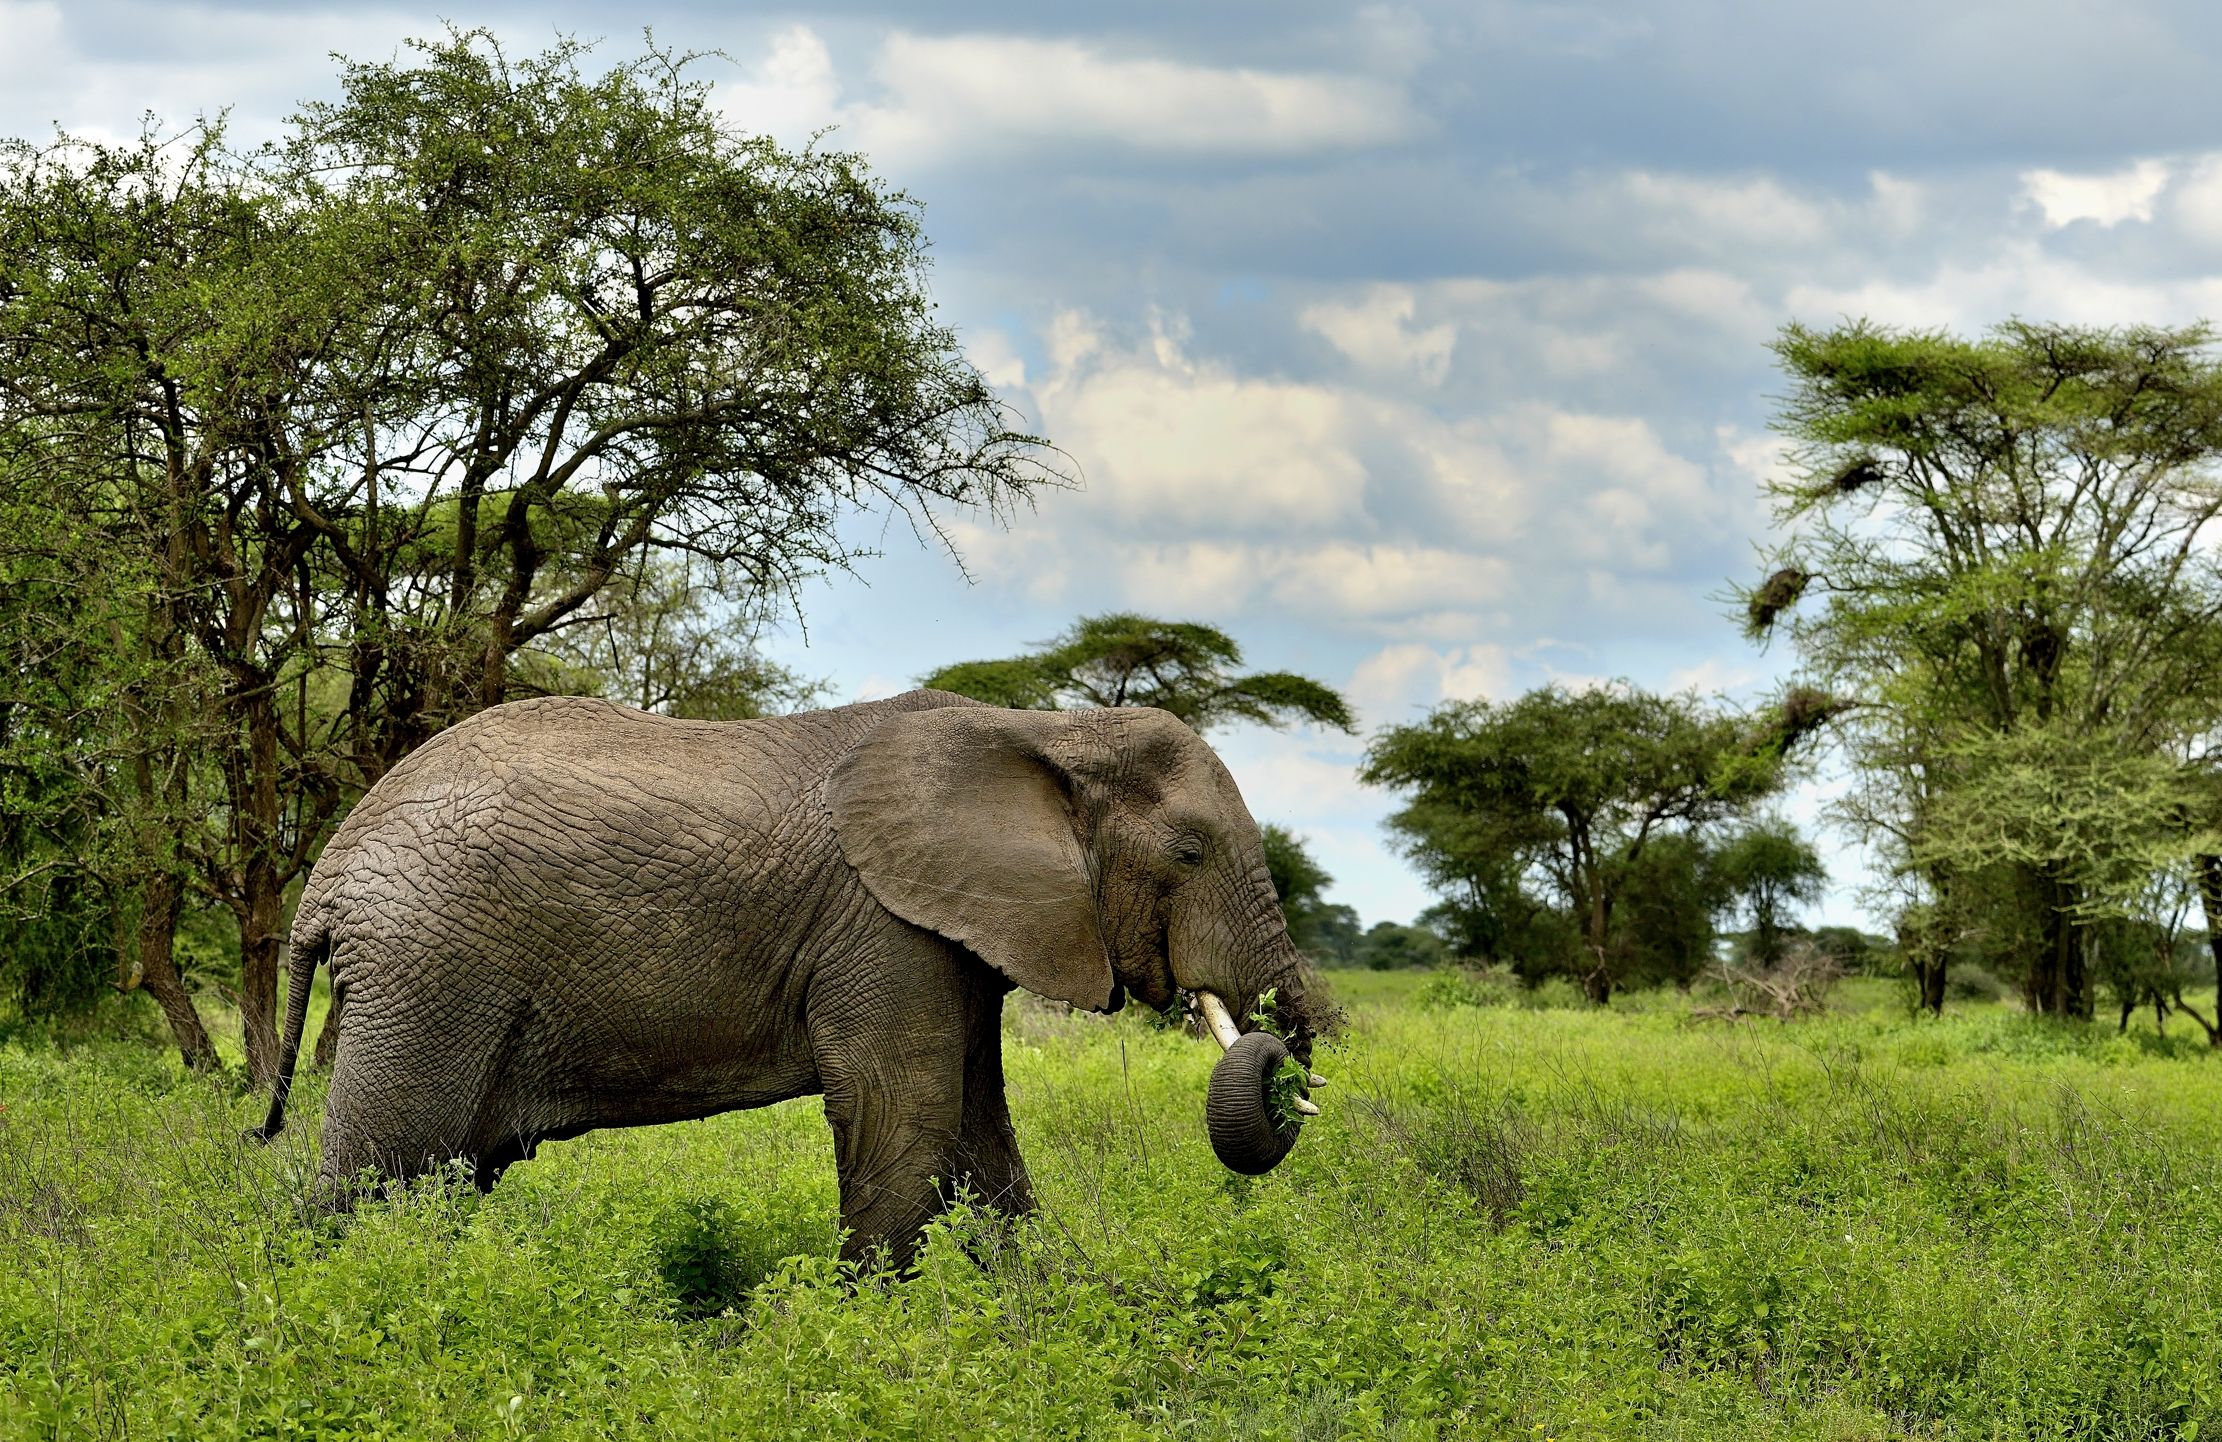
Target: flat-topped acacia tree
(1128, 660)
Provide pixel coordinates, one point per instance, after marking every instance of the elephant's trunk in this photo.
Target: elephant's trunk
(1248, 1132)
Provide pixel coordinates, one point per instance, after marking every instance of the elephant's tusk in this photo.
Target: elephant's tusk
(1218, 1018)
(1317, 1080)
(1304, 1105)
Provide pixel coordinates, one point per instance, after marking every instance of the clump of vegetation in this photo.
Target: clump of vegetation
(700, 1255)
(1454, 986)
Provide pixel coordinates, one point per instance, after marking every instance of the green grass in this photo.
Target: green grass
(1511, 1222)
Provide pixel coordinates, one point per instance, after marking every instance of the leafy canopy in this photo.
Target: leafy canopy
(1130, 660)
(2003, 549)
(1566, 792)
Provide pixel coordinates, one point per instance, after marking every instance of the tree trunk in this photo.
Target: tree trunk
(164, 901)
(2210, 901)
(260, 905)
(2056, 984)
(1929, 976)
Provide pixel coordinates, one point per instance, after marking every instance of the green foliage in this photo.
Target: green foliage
(666, 641)
(1668, 896)
(1129, 660)
(2002, 549)
(1766, 868)
(1971, 981)
(1323, 930)
(1453, 986)
(710, 1253)
(1557, 800)
(478, 382)
(1509, 1221)
(2102, 816)
(1855, 952)
(1391, 946)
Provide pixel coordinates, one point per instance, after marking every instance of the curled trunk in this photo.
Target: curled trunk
(1245, 1132)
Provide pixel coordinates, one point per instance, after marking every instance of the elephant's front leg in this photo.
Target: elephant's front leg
(889, 1040)
(987, 1157)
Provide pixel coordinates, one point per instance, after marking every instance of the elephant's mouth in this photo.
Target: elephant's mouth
(1251, 1130)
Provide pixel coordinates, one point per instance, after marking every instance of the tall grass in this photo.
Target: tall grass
(1510, 1222)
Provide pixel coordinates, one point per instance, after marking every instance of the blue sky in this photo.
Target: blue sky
(1421, 347)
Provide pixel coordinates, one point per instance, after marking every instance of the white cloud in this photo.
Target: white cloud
(1711, 210)
(789, 94)
(1338, 582)
(1712, 676)
(199, 60)
(2108, 199)
(2020, 277)
(1168, 443)
(2195, 200)
(1376, 333)
(962, 98)
(1006, 92)
(31, 40)
(1397, 681)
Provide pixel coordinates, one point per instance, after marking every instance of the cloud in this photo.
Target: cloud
(2107, 199)
(2195, 200)
(1396, 682)
(1375, 333)
(790, 94)
(2018, 277)
(963, 94)
(95, 70)
(1707, 211)
(1341, 583)
(1173, 444)
(960, 99)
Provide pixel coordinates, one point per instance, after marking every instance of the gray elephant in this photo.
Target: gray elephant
(565, 914)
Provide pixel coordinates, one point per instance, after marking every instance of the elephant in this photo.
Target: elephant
(564, 914)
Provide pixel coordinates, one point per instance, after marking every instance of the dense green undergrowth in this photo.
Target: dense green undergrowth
(1511, 1222)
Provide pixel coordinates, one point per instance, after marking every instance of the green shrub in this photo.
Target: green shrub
(1452, 986)
(1971, 981)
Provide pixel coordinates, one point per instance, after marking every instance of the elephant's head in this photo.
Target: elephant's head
(1089, 856)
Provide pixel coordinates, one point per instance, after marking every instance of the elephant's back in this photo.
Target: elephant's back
(591, 815)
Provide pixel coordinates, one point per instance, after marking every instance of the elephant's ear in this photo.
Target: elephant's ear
(958, 820)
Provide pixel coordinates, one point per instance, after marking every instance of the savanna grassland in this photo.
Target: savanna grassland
(1513, 1220)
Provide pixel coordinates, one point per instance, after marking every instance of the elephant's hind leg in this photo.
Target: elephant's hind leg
(414, 1087)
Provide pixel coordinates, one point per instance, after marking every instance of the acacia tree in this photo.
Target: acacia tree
(398, 399)
(2010, 541)
(665, 640)
(1567, 790)
(1766, 868)
(1129, 660)
(1320, 928)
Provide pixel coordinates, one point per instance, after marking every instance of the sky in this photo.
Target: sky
(1423, 347)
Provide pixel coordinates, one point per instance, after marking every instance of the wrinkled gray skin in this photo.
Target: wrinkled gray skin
(565, 914)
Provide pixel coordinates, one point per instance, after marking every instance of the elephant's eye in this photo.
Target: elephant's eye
(1189, 851)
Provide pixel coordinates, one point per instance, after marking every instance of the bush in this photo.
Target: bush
(1389, 946)
(1465, 986)
(709, 1258)
(1971, 981)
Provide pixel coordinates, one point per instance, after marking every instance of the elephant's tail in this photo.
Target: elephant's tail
(310, 941)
